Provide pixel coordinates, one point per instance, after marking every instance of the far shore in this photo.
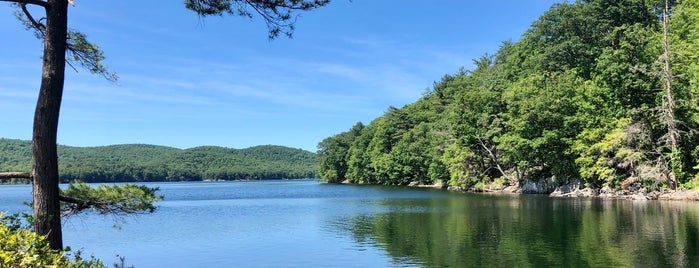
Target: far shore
(587, 192)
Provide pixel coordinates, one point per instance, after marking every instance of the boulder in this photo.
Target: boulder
(542, 186)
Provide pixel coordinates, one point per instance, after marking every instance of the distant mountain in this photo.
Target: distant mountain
(143, 162)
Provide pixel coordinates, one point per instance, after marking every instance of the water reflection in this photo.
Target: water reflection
(532, 231)
(306, 224)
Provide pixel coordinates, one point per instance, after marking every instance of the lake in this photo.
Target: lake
(308, 224)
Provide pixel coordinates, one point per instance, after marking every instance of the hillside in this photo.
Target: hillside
(586, 94)
(141, 162)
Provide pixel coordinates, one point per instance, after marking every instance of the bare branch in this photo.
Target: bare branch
(23, 14)
(494, 158)
(77, 205)
(15, 175)
(38, 26)
(71, 64)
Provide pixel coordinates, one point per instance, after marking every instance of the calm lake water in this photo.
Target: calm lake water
(307, 224)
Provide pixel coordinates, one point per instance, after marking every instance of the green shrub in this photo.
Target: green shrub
(23, 248)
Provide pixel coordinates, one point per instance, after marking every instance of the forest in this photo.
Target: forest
(600, 91)
(141, 163)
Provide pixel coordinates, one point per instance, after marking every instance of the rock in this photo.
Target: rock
(587, 192)
(638, 197)
(557, 193)
(653, 195)
(630, 184)
(511, 189)
(679, 195)
(606, 190)
(456, 189)
(568, 187)
(439, 184)
(543, 186)
(529, 187)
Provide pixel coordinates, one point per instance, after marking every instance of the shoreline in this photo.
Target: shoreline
(573, 190)
(587, 192)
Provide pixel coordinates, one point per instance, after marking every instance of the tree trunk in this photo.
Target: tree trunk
(670, 106)
(47, 213)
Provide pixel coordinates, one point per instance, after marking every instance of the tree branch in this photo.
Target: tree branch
(76, 206)
(494, 158)
(87, 54)
(38, 26)
(278, 15)
(119, 200)
(15, 175)
(31, 2)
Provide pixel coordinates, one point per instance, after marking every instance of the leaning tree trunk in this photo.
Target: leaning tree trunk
(47, 213)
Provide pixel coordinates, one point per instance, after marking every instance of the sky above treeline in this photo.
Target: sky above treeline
(187, 81)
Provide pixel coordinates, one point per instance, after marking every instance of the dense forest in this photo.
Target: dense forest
(139, 162)
(601, 91)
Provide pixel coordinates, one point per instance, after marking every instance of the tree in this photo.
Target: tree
(52, 28)
(669, 104)
(333, 154)
(684, 33)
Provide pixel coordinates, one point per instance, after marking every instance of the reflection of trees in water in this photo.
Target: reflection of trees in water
(508, 231)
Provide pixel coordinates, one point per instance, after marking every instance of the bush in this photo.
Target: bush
(23, 248)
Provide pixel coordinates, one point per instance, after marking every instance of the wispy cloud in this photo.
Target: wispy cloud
(7, 92)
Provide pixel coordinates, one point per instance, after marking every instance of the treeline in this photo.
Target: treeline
(139, 162)
(582, 95)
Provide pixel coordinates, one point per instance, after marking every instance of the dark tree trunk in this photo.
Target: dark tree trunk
(47, 212)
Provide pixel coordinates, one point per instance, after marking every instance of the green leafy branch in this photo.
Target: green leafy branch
(79, 49)
(277, 14)
(118, 200)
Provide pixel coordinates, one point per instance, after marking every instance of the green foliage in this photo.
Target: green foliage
(138, 162)
(576, 97)
(398, 149)
(88, 55)
(277, 14)
(359, 163)
(23, 248)
(684, 29)
(464, 166)
(333, 154)
(610, 158)
(78, 48)
(109, 199)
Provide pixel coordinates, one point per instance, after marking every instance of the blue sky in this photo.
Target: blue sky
(187, 81)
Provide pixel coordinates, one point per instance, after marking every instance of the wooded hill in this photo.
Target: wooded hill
(584, 94)
(140, 162)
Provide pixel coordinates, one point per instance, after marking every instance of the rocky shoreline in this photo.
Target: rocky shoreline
(575, 189)
(572, 189)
